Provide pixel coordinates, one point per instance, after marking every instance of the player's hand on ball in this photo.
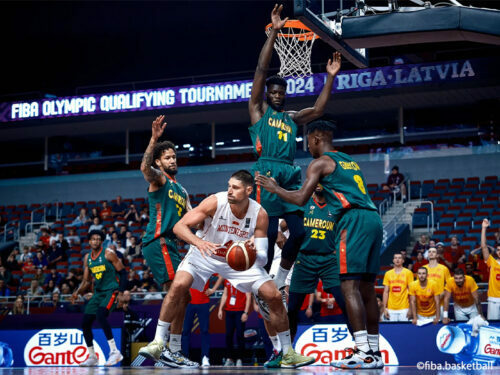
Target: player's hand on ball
(158, 126)
(333, 65)
(206, 248)
(276, 20)
(267, 183)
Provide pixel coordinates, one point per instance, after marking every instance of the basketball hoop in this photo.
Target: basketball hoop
(294, 44)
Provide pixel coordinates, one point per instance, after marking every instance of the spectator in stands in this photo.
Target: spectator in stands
(147, 280)
(122, 236)
(11, 263)
(199, 306)
(22, 257)
(118, 208)
(133, 251)
(497, 237)
(470, 271)
(55, 301)
(132, 216)
(55, 255)
(39, 276)
(54, 276)
(493, 263)
(40, 261)
(35, 291)
(44, 237)
(396, 283)
(128, 236)
(424, 299)
(52, 288)
(71, 279)
(6, 275)
(18, 308)
(396, 182)
(28, 265)
(105, 211)
(330, 310)
(421, 245)
(419, 262)
(237, 305)
(455, 249)
(81, 220)
(96, 224)
(4, 290)
(72, 238)
(445, 257)
(407, 262)
(62, 244)
(144, 216)
(53, 237)
(66, 290)
(133, 282)
(93, 214)
(465, 297)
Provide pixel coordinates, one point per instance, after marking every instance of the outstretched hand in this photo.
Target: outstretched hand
(206, 248)
(276, 20)
(158, 127)
(486, 223)
(267, 183)
(333, 65)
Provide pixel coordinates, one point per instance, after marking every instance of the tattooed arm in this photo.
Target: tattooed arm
(151, 174)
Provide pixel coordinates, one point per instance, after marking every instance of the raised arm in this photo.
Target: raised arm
(151, 174)
(484, 246)
(196, 217)
(318, 168)
(309, 114)
(256, 103)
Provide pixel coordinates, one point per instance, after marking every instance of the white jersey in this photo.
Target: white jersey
(224, 226)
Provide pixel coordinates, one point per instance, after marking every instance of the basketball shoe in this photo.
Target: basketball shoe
(292, 359)
(91, 361)
(357, 360)
(274, 360)
(153, 350)
(114, 357)
(176, 360)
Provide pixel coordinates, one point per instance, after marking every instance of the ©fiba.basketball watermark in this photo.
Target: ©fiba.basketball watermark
(429, 365)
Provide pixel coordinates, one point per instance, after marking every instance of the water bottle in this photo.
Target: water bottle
(458, 341)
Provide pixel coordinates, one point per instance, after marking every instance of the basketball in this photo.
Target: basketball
(240, 256)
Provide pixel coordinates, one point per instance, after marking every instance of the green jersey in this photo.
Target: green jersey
(345, 188)
(318, 224)
(166, 206)
(103, 272)
(273, 136)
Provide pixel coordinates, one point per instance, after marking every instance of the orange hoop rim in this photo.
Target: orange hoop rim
(306, 33)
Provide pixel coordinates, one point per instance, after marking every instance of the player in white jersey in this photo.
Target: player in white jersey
(229, 216)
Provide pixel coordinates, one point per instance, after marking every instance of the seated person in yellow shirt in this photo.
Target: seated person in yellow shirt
(493, 263)
(396, 283)
(424, 299)
(465, 297)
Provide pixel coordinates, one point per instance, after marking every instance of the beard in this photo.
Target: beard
(273, 106)
(171, 171)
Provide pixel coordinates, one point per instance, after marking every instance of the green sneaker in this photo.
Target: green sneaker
(152, 351)
(293, 359)
(274, 360)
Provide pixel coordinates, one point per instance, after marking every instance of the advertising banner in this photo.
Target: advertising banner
(51, 347)
(404, 344)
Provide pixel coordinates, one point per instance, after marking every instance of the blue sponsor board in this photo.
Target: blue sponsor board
(405, 344)
(54, 347)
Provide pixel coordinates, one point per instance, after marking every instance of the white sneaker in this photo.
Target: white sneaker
(379, 362)
(357, 360)
(205, 362)
(229, 362)
(114, 357)
(152, 350)
(239, 363)
(91, 361)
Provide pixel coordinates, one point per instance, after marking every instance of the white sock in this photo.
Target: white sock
(280, 278)
(162, 331)
(361, 340)
(276, 343)
(91, 351)
(112, 345)
(285, 340)
(373, 342)
(175, 344)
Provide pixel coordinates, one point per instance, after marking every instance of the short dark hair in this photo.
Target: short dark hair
(459, 271)
(160, 147)
(98, 232)
(396, 168)
(324, 124)
(276, 80)
(243, 176)
(423, 268)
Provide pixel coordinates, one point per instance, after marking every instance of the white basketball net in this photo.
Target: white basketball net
(294, 47)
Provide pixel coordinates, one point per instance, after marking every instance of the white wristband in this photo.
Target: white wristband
(445, 314)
